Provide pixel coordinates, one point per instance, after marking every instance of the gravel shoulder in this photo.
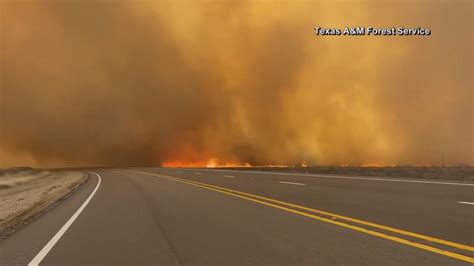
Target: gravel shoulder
(26, 193)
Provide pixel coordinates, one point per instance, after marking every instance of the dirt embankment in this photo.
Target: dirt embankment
(26, 192)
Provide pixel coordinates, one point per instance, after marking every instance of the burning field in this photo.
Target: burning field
(233, 83)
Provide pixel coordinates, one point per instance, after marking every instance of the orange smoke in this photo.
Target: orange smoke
(136, 86)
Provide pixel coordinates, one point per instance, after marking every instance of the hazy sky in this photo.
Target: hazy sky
(145, 82)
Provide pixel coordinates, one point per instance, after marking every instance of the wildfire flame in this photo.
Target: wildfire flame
(373, 165)
(216, 163)
(210, 163)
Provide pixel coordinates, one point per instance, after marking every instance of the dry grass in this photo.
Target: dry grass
(16, 176)
(25, 193)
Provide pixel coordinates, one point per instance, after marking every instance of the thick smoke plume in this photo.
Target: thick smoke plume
(155, 82)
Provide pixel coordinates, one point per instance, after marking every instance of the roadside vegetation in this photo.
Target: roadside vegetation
(25, 193)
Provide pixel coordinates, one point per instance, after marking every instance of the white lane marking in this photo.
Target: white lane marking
(229, 176)
(346, 177)
(45, 250)
(197, 173)
(466, 202)
(292, 183)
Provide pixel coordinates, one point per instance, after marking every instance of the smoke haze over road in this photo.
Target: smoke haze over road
(146, 82)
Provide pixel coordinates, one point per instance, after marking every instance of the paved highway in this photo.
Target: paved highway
(150, 216)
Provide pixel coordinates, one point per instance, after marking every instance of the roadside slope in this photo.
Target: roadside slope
(25, 195)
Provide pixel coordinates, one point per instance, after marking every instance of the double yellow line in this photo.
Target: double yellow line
(303, 211)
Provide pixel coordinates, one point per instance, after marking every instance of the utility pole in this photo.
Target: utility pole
(442, 159)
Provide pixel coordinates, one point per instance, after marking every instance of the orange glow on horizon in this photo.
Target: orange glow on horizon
(216, 163)
(210, 163)
(374, 165)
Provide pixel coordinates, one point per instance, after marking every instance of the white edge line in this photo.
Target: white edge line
(466, 202)
(45, 250)
(342, 177)
(292, 183)
(229, 176)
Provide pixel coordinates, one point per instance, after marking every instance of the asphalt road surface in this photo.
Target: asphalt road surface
(163, 216)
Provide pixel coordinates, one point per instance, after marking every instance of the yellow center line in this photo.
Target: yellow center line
(256, 198)
(341, 217)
